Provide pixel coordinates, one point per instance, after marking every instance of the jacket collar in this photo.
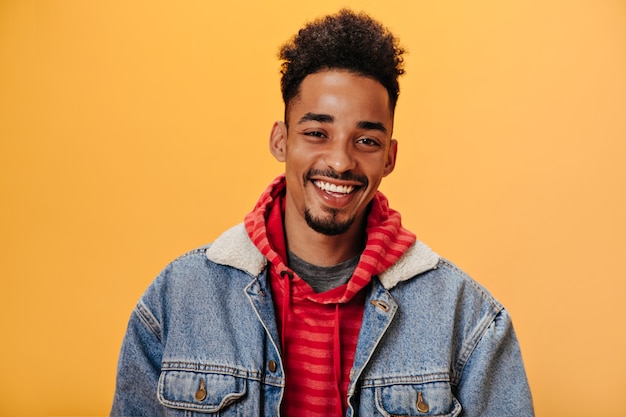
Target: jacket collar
(234, 248)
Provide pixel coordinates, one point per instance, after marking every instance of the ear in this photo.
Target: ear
(278, 141)
(390, 164)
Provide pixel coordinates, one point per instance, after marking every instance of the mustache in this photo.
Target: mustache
(331, 173)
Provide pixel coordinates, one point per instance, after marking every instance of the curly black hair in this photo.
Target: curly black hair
(346, 40)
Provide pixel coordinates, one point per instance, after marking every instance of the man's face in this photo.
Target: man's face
(336, 149)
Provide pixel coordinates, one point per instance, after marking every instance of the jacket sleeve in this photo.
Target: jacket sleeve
(493, 381)
(139, 367)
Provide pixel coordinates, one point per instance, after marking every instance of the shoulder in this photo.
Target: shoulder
(457, 280)
(443, 280)
(450, 297)
(203, 271)
(232, 249)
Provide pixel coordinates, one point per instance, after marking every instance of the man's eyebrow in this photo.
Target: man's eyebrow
(372, 126)
(327, 118)
(316, 117)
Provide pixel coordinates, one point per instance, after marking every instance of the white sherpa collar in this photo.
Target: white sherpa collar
(234, 248)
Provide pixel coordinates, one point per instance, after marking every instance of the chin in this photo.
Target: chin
(328, 225)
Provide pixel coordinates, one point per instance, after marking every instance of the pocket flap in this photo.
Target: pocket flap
(207, 392)
(428, 399)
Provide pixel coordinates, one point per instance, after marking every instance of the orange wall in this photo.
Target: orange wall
(131, 132)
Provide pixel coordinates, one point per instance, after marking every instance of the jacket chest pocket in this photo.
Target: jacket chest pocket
(432, 399)
(189, 393)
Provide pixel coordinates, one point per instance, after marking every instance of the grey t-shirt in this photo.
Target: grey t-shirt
(323, 278)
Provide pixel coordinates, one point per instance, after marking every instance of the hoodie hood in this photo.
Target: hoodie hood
(235, 248)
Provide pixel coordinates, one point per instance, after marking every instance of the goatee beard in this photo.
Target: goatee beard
(329, 226)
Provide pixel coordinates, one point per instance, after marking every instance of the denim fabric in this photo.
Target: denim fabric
(203, 341)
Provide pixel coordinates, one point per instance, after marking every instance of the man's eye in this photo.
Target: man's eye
(368, 142)
(315, 133)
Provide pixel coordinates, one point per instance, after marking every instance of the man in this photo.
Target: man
(321, 303)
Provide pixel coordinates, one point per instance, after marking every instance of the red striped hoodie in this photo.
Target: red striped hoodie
(319, 331)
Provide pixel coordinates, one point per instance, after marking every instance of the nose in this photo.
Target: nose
(339, 157)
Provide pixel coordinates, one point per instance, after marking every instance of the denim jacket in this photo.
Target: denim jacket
(203, 341)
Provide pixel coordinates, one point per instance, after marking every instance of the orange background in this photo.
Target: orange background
(133, 131)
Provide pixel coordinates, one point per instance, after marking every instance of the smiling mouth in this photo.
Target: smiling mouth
(334, 188)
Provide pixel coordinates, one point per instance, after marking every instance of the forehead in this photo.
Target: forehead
(339, 92)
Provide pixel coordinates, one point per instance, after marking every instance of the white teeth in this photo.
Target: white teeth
(333, 188)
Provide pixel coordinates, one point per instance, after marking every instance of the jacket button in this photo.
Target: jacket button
(201, 393)
(422, 406)
(272, 366)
